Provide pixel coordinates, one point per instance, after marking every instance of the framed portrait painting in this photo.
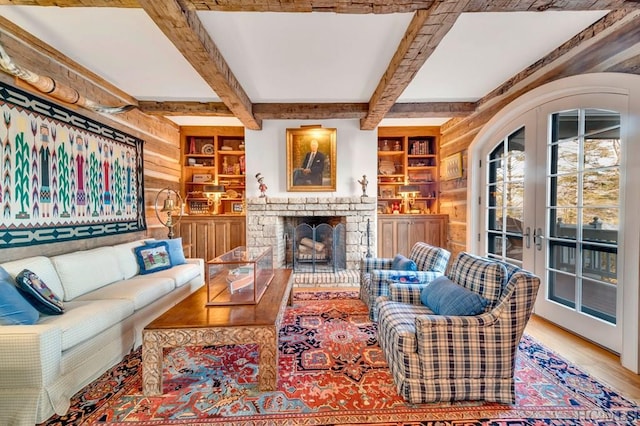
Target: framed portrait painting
(311, 159)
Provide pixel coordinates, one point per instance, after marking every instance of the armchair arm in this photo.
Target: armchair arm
(434, 323)
(406, 293)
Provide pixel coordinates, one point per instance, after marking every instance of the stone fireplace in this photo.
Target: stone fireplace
(267, 218)
(316, 243)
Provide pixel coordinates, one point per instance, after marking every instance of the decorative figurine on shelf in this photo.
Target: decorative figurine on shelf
(395, 207)
(261, 185)
(364, 182)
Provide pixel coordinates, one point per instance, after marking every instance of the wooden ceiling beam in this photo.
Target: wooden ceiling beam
(425, 31)
(173, 108)
(186, 32)
(309, 111)
(431, 109)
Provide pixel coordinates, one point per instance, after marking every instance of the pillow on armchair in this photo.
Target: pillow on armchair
(444, 297)
(480, 275)
(403, 263)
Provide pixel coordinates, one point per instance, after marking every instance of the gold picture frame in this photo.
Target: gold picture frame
(320, 174)
(452, 167)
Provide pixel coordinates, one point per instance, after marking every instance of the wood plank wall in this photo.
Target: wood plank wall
(161, 136)
(611, 45)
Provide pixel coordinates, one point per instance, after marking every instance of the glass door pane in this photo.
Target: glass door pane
(505, 196)
(584, 211)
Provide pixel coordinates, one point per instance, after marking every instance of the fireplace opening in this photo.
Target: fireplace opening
(316, 244)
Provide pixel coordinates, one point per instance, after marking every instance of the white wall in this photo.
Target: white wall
(267, 151)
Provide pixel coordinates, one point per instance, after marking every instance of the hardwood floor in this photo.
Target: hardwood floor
(600, 363)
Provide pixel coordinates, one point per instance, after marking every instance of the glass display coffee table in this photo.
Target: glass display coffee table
(192, 323)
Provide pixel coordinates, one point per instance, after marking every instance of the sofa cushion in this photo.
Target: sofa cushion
(40, 265)
(14, 308)
(403, 263)
(38, 294)
(176, 253)
(180, 274)
(140, 290)
(87, 270)
(480, 275)
(127, 258)
(444, 297)
(84, 319)
(153, 257)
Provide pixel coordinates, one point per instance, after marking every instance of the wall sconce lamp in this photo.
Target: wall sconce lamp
(213, 192)
(408, 193)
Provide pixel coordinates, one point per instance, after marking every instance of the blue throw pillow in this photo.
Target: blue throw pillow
(14, 308)
(176, 253)
(38, 294)
(153, 257)
(403, 263)
(408, 278)
(444, 297)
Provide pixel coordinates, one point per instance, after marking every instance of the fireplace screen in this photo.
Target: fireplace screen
(318, 248)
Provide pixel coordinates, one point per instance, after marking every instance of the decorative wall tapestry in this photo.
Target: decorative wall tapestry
(64, 176)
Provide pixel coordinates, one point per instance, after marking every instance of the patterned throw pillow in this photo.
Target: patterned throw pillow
(403, 263)
(14, 308)
(444, 297)
(176, 253)
(38, 294)
(406, 278)
(153, 257)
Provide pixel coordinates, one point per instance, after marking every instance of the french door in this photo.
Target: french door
(553, 205)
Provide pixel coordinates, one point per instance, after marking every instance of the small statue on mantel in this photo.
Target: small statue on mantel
(364, 182)
(262, 187)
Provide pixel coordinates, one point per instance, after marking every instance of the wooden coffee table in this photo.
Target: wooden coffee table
(192, 323)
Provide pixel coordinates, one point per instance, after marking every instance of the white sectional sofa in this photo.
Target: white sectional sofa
(107, 304)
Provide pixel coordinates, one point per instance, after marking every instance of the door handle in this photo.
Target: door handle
(527, 237)
(537, 238)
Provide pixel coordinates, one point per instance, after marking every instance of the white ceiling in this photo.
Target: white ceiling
(300, 57)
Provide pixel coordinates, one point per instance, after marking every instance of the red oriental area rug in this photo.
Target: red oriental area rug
(332, 371)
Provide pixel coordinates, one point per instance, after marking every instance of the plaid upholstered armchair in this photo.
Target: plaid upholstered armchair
(453, 357)
(377, 273)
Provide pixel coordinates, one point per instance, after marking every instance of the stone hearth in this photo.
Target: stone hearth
(266, 228)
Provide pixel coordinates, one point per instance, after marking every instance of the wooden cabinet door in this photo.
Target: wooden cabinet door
(209, 237)
(434, 232)
(398, 234)
(386, 238)
(417, 232)
(237, 232)
(403, 236)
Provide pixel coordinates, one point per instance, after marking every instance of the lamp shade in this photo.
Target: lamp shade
(213, 189)
(408, 189)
